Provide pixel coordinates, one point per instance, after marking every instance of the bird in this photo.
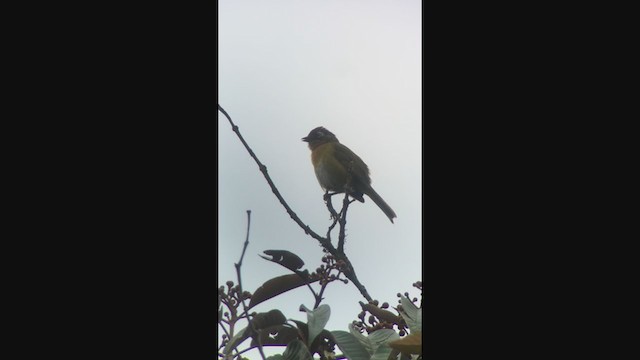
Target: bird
(331, 161)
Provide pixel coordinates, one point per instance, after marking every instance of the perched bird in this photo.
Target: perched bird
(331, 161)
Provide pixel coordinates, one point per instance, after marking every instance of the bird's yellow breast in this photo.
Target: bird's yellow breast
(329, 171)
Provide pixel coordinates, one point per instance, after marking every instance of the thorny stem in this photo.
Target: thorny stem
(335, 217)
(324, 242)
(316, 296)
(345, 207)
(343, 223)
(334, 214)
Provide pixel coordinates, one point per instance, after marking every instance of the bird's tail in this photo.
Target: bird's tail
(381, 204)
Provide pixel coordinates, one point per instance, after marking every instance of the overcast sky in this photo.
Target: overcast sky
(354, 67)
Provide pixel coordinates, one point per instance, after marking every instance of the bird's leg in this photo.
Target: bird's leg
(327, 196)
(332, 211)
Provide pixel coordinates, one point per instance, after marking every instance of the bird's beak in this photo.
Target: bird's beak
(305, 139)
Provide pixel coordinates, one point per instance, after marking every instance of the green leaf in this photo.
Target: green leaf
(368, 345)
(410, 344)
(382, 337)
(408, 306)
(350, 345)
(304, 329)
(236, 340)
(382, 353)
(285, 258)
(316, 320)
(411, 315)
(296, 350)
(275, 357)
(275, 335)
(275, 287)
(267, 319)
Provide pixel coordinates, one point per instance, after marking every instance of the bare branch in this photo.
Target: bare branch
(240, 291)
(343, 223)
(324, 242)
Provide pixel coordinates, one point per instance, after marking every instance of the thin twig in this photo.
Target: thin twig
(319, 298)
(225, 330)
(334, 214)
(324, 242)
(343, 223)
(241, 292)
(345, 207)
(246, 241)
(316, 296)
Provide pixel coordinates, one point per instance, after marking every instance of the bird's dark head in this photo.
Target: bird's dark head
(319, 136)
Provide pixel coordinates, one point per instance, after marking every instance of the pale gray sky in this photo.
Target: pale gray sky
(354, 67)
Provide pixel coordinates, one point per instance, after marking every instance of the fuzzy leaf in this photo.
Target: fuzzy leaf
(296, 350)
(368, 345)
(382, 353)
(382, 337)
(316, 320)
(350, 346)
(410, 344)
(304, 330)
(236, 340)
(411, 315)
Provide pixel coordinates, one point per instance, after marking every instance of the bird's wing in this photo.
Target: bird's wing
(359, 170)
